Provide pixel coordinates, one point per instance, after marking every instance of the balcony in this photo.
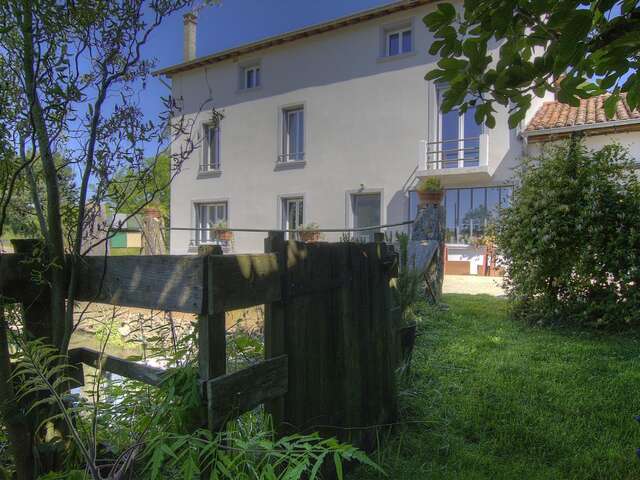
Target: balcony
(457, 159)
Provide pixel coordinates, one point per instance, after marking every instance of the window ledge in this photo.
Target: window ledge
(248, 90)
(389, 58)
(292, 164)
(209, 173)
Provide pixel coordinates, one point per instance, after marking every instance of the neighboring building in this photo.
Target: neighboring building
(334, 124)
(128, 239)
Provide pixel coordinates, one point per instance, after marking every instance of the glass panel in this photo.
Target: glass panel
(406, 41)
(451, 207)
(300, 213)
(394, 44)
(505, 196)
(493, 201)
(450, 136)
(479, 215)
(249, 75)
(366, 213)
(464, 215)
(257, 76)
(300, 145)
(472, 133)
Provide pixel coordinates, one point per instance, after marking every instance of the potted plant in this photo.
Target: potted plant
(430, 191)
(222, 232)
(309, 232)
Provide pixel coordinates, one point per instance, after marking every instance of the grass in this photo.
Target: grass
(494, 399)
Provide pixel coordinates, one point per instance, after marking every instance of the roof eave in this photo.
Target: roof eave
(292, 36)
(619, 126)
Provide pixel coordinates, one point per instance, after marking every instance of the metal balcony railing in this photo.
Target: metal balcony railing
(456, 153)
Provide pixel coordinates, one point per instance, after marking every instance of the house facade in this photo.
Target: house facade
(333, 125)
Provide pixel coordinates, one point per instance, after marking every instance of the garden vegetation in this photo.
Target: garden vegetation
(571, 238)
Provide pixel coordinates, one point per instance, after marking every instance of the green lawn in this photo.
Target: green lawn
(495, 399)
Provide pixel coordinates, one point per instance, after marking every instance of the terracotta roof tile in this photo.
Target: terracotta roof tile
(591, 111)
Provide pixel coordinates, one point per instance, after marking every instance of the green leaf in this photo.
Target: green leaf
(611, 105)
(337, 460)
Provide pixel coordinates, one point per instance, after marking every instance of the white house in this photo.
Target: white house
(334, 124)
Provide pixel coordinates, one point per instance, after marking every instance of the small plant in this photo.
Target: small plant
(430, 191)
(222, 231)
(429, 185)
(408, 286)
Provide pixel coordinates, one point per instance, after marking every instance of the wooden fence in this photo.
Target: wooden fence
(330, 329)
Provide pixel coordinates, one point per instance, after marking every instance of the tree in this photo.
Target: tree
(574, 48)
(571, 255)
(70, 75)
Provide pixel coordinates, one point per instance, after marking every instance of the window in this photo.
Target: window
(251, 77)
(211, 149)
(468, 211)
(366, 213)
(399, 41)
(292, 135)
(459, 138)
(209, 215)
(292, 214)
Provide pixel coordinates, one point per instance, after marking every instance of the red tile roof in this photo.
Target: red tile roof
(590, 112)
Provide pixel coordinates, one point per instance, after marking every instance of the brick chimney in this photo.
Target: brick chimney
(190, 24)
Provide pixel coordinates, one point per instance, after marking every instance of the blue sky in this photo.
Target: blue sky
(234, 23)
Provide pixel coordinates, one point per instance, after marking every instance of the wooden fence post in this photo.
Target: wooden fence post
(212, 341)
(274, 320)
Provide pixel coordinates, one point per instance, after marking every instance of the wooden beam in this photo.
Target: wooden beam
(240, 281)
(160, 282)
(231, 395)
(119, 366)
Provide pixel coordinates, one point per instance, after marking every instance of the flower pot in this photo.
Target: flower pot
(431, 198)
(225, 235)
(309, 236)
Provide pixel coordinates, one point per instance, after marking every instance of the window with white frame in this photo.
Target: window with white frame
(251, 77)
(292, 214)
(208, 217)
(211, 149)
(398, 41)
(292, 135)
(458, 137)
(365, 212)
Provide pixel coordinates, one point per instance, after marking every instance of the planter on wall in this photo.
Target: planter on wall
(309, 236)
(431, 198)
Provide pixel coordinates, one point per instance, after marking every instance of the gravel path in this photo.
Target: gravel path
(472, 284)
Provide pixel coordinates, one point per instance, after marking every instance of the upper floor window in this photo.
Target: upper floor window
(399, 41)
(292, 134)
(458, 137)
(211, 149)
(251, 77)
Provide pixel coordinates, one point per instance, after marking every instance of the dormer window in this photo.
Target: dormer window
(399, 41)
(251, 77)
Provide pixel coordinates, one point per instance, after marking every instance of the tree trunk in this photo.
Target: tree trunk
(18, 426)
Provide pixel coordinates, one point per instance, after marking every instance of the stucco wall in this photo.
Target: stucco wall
(630, 140)
(364, 118)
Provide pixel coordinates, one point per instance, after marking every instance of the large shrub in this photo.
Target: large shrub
(571, 238)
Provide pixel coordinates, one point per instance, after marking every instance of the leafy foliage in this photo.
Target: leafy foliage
(408, 286)
(590, 47)
(571, 238)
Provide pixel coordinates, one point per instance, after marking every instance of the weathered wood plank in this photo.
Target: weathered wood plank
(239, 392)
(241, 281)
(212, 335)
(161, 282)
(119, 366)
(275, 322)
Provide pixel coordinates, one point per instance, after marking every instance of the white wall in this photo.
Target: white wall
(364, 118)
(630, 140)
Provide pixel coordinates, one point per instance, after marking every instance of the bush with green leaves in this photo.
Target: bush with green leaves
(570, 239)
